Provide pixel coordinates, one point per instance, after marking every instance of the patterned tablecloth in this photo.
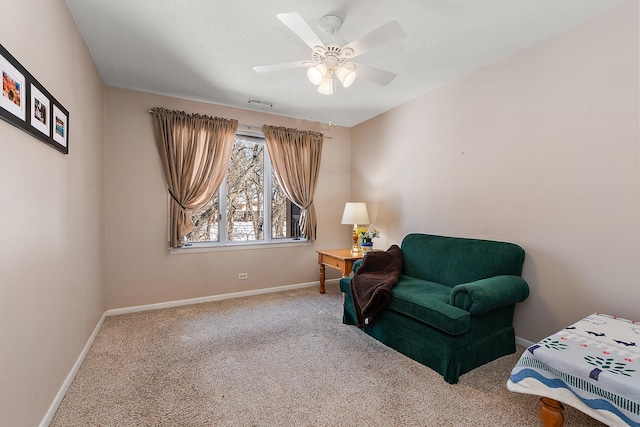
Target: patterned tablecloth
(593, 365)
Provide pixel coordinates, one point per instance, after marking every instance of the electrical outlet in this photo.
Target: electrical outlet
(242, 276)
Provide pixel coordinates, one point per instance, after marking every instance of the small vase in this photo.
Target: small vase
(366, 247)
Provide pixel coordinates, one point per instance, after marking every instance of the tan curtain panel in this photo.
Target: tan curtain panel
(195, 151)
(295, 156)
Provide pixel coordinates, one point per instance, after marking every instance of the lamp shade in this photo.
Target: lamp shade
(316, 74)
(355, 213)
(346, 76)
(326, 86)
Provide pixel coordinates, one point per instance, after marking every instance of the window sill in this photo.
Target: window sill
(236, 246)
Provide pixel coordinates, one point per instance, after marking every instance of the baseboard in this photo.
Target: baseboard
(168, 304)
(523, 342)
(71, 375)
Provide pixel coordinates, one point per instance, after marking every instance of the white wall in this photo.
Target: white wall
(52, 216)
(139, 268)
(540, 149)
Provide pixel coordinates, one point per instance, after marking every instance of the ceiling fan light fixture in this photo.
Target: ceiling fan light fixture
(333, 59)
(326, 86)
(346, 76)
(316, 74)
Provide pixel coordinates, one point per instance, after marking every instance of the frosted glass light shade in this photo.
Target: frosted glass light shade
(355, 213)
(316, 74)
(326, 86)
(345, 76)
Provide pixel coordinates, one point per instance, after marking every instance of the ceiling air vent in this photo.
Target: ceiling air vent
(261, 103)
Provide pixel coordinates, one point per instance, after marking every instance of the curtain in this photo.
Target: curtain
(195, 151)
(295, 156)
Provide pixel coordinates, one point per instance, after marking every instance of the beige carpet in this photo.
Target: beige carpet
(282, 359)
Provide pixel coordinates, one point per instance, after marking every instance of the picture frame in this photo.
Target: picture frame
(26, 104)
(40, 110)
(60, 123)
(13, 98)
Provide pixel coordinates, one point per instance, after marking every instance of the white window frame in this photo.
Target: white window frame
(226, 245)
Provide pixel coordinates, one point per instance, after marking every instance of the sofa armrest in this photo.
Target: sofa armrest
(356, 265)
(485, 295)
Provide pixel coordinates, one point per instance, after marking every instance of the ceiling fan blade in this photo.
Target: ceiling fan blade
(373, 74)
(279, 67)
(387, 33)
(299, 26)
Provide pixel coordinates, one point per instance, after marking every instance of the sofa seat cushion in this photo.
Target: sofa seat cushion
(428, 302)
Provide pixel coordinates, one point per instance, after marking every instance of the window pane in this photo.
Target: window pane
(285, 216)
(206, 221)
(245, 211)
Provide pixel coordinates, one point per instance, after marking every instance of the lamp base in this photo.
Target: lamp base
(355, 249)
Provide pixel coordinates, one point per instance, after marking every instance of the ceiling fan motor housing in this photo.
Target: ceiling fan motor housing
(332, 56)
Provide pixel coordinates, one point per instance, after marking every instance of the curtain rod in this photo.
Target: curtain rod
(249, 128)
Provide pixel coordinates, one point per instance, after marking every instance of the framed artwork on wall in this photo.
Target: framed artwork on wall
(13, 101)
(60, 125)
(40, 117)
(26, 104)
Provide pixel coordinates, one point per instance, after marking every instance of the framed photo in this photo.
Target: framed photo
(40, 117)
(26, 104)
(60, 125)
(13, 99)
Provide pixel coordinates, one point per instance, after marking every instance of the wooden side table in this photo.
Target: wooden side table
(340, 259)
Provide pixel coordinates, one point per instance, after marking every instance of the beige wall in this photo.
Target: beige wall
(139, 268)
(541, 149)
(51, 256)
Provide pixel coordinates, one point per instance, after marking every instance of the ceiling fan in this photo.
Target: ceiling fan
(329, 61)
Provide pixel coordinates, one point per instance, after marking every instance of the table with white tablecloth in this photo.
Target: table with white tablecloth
(592, 365)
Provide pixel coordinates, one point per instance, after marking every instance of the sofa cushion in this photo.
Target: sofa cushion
(455, 260)
(428, 302)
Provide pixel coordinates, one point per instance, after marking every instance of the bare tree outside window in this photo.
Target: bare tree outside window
(245, 202)
(245, 189)
(206, 220)
(278, 211)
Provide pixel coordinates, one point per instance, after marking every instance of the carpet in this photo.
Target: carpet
(279, 359)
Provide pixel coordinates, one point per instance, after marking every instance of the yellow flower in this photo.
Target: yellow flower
(366, 234)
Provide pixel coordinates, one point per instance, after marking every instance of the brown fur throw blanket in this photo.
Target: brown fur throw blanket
(372, 283)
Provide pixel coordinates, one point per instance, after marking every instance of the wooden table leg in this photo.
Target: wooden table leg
(321, 278)
(551, 412)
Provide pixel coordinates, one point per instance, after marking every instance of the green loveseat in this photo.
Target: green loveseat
(452, 309)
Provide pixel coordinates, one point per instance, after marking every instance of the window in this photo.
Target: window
(248, 206)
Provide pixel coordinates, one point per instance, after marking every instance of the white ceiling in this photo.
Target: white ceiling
(205, 49)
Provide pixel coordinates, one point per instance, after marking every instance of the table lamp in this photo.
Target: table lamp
(355, 213)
